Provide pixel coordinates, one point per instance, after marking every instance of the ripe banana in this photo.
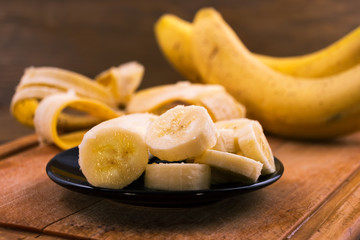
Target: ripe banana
(333, 59)
(180, 133)
(113, 154)
(284, 105)
(236, 166)
(177, 176)
(245, 137)
(214, 98)
(47, 115)
(174, 34)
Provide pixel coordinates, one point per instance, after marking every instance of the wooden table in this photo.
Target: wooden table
(317, 198)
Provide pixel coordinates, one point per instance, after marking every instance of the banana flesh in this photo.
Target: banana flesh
(214, 98)
(180, 133)
(177, 176)
(284, 105)
(113, 154)
(174, 34)
(237, 166)
(245, 137)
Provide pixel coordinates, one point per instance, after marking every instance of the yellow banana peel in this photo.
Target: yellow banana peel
(99, 99)
(48, 112)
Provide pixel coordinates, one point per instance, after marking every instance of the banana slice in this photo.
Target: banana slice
(239, 167)
(249, 139)
(177, 176)
(48, 112)
(180, 133)
(228, 134)
(253, 144)
(137, 122)
(111, 155)
(226, 141)
(122, 81)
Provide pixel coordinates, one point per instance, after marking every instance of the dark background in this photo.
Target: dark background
(89, 36)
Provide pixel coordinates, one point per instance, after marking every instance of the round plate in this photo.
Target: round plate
(64, 170)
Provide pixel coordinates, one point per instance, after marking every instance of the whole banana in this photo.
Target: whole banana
(174, 38)
(285, 105)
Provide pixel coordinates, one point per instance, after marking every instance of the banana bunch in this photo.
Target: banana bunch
(314, 96)
(174, 38)
(115, 153)
(62, 105)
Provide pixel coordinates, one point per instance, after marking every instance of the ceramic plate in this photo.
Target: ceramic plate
(64, 170)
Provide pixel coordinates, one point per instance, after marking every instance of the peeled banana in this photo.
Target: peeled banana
(113, 154)
(174, 34)
(246, 137)
(245, 169)
(177, 176)
(180, 133)
(285, 105)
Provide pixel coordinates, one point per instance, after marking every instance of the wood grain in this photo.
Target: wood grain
(18, 145)
(29, 199)
(316, 197)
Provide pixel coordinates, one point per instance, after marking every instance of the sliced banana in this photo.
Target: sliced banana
(137, 122)
(226, 141)
(113, 154)
(47, 115)
(180, 133)
(253, 144)
(245, 169)
(250, 141)
(122, 81)
(177, 176)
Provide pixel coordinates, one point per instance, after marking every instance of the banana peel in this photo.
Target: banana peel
(111, 88)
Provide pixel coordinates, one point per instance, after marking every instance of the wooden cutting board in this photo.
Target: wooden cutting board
(317, 197)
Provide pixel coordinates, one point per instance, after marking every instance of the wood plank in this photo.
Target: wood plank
(313, 171)
(338, 217)
(7, 233)
(28, 198)
(18, 145)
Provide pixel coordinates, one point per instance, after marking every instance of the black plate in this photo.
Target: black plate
(64, 170)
